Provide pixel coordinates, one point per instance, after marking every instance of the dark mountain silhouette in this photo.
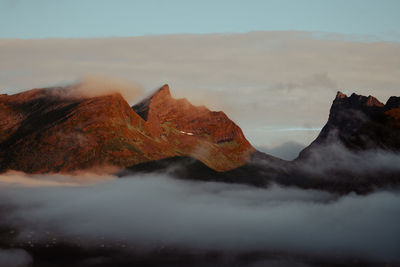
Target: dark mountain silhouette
(360, 123)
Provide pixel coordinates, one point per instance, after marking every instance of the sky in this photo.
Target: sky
(273, 67)
(365, 19)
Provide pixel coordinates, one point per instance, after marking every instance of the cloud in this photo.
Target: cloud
(14, 258)
(97, 85)
(152, 211)
(319, 81)
(325, 159)
(258, 78)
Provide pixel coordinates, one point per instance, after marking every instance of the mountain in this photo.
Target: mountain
(58, 130)
(54, 130)
(360, 123)
(356, 123)
(206, 135)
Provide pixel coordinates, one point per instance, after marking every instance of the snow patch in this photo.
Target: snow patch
(186, 133)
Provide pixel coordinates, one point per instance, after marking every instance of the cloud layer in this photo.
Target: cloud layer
(152, 211)
(14, 258)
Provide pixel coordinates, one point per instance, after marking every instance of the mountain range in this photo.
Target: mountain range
(53, 130)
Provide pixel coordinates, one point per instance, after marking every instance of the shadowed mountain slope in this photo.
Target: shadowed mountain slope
(260, 170)
(360, 123)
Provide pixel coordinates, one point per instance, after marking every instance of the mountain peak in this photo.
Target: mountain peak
(161, 95)
(393, 102)
(162, 92)
(340, 95)
(360, 122)
(355, 101)
(373, 102)
(206, 131)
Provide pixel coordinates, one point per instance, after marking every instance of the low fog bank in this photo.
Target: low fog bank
(153, 211)
(14, 258)
(324, 159)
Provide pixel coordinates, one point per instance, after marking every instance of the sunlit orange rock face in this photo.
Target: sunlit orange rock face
(46, 130)
(195, 131)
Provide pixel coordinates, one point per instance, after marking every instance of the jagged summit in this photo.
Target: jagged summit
(360, 122)
(357, 100)
(369, 101)
(163, 91)
(340, 95)
(161, 108)
(163, 112)
(162, 94)
(393, 102)
(373, 102)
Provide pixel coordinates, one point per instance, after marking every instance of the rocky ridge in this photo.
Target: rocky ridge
(49, 130)
(360, 123)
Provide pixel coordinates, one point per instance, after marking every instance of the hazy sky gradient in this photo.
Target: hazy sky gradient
(361, 19)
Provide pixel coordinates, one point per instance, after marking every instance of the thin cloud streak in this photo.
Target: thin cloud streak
(288, 129)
